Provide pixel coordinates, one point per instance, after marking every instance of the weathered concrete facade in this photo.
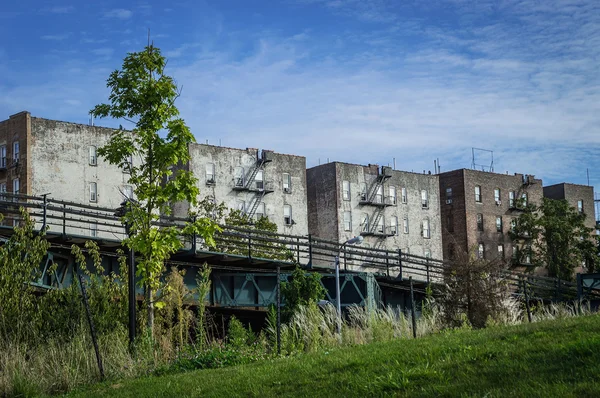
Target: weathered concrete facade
(60, 159)
(477, 209)
(254, 181)
(391, 209)
(580, 197)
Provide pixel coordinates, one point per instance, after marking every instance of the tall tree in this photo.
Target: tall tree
(143, 95)
(554, 235)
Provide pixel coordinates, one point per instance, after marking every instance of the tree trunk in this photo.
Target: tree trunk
(150, 309)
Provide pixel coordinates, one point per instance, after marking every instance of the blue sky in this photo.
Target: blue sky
(361, 81)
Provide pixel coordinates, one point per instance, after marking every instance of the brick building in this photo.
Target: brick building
(580, 197)
(392, 210)
(477, 209)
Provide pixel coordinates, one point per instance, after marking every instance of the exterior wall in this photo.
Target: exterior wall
(60, 167)
(464, 208)
(16, 129)
(226, 160)
(573, 193)
(327, 207)
(323, 202)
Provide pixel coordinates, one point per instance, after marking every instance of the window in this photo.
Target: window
(259, 180)
(210, 173)
(241, 205)
(480, 251)
(404, 196)
(238, 176)
(405, 225)
(513, 224)
(128, 191)
(501, 251)
(365, 223)
(16, 187)
(480, 222)
(424, 199)
(393, 195)
(394, 225)
(363, 191)
(450, 222)
(451, 251)
(93, 192)
(498, 223)
(515, 252)
(128, 164)
(287, 183)
(94, 229)
(524, 199)
(497, 196)
(381, 226)
(580, 205)
(260, 211)
(426, 233)
(511, 199)
(287, 214)
(346, 190)
(2, 191)
(347, 221)
(3, 156)
(448, 196)
(92, 154)
(427, 253)
(379, 194)
(407, 251)
(16, 151)
(477, 194)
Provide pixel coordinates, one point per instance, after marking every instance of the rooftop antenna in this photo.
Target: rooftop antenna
(394, 163)
(588, 176)
(484, 167)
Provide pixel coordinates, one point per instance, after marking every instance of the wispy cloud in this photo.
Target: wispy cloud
(59, 9)
(59, 37)
(118, 13)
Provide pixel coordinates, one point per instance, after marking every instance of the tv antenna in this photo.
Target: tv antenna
(483, 154)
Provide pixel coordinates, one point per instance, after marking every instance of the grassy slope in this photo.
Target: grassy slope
(554, 358)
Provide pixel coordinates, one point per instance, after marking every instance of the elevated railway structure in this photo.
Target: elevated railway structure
(244, 260)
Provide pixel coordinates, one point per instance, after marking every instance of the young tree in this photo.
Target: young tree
(554, 235)
(142, 94)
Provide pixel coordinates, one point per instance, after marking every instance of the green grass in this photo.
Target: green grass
(546, 359)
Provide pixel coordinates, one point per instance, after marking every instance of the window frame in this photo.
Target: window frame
(239, 176)
(259, 180)
(424, 199)
(260, 209)
(346, 190)
(478, 195)
(499, 224)
(481, 251)
(287, 182)
(347, 220)
(393, 194)
(501, 250)
(365, 224)
(287, 219)
(479, 221)
(405, 225)
(16, 151)
(93, 192)
(394, 225)
(404, 195)
(512, 195)
(210, 177)
(3, 160)
(580, 207)
(92, 155)
(426, 232)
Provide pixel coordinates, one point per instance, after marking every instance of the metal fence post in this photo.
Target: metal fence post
(310, 254)
(527, 306)
(427, 268)
(250, 246)
(412, 308)
(278, 309)
(400, 262)
(64, 220)
(387, 264)
(91, 323)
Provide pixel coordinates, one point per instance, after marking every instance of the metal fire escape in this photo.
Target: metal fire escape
(258, 187)
(374, 196)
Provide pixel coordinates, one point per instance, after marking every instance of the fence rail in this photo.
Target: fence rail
(71, 219)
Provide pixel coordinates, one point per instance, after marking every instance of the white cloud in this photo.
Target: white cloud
(118, 13)
(58, 37)
(61, 9)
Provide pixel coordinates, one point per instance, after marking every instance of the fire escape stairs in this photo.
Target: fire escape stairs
(257, 199)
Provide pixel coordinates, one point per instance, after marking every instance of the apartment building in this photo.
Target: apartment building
(478, 208)
(391, 209)
(40, 156)
(580, 197)
(257, 182)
